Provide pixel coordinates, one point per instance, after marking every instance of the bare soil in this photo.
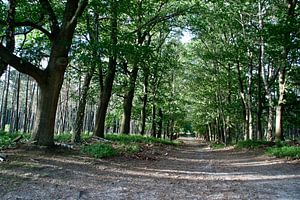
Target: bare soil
(190, 171)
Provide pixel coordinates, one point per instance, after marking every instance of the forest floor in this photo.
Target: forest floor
(189, 171)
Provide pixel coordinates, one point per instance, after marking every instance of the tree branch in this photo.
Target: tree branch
(82, 5)
(52, 17)
(35, 26)
(21, 65)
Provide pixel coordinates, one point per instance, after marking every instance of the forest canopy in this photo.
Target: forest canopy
(115, 66)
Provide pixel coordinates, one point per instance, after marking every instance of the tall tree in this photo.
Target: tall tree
(51, 78)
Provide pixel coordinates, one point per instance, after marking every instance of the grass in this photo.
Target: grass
(100, 150)
(121, 145)
(280, 149)
(137, 139)
(252, 144)
(217, 145)
(284, 151)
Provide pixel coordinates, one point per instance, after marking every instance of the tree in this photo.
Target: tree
(51, 78)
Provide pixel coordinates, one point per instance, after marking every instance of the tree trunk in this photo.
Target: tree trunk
(291, 5)
(145, 100)
(45, 117)
(279, 109)
(153, 129)
(105, 98)
(17, 117)
(81, 107)
(259, 74)
(160, 123)
(110, 76)
(128, 99)
(4, 116)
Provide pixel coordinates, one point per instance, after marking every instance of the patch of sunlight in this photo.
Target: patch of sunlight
(254, 164)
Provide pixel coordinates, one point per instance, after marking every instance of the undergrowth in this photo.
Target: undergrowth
(252, 144)
(284, 151)
(278, 149)
(217, 145)
(100, 150)
(137, 139)
(7, 139)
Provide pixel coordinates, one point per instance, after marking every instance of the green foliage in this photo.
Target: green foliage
(67, 137)
(128, 148)
(252, 144)
(137, 139)
(100, 150)
(284, 151)
(6, 139)
(217, 145)
(63, 137)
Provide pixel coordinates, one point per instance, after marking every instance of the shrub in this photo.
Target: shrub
(284, 151)
(137, 139)
(99, 150)
(252, 144)
(6, 139)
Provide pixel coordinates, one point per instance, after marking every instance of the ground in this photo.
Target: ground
(190, 171)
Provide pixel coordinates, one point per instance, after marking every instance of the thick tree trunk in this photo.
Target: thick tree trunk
(45, 117)
(128, 99)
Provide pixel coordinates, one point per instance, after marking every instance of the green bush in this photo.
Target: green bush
(252, 144)
(128, 148)
(285, 151)
(99, 150)
(137, 139)
(217, 145)
(6, 139)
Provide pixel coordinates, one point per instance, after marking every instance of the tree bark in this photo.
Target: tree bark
(145, 101)
(128, 99)
(291, 5)
(160, 123)
(280, 106)
(110, 76)
(81, 107)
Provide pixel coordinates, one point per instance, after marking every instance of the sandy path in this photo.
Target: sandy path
(190, 172)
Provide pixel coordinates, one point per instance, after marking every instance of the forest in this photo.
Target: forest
(149, 99)
(222, 70)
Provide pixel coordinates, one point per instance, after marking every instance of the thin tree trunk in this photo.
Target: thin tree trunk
(17, 117)
(109, 79)
(260, 67)
(5, 113)
(128, 99)
(280, 105)
(25, 124)
(160, 122)
(81, 107)
(145, 100)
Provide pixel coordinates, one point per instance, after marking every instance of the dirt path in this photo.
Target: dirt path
(190, 172)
